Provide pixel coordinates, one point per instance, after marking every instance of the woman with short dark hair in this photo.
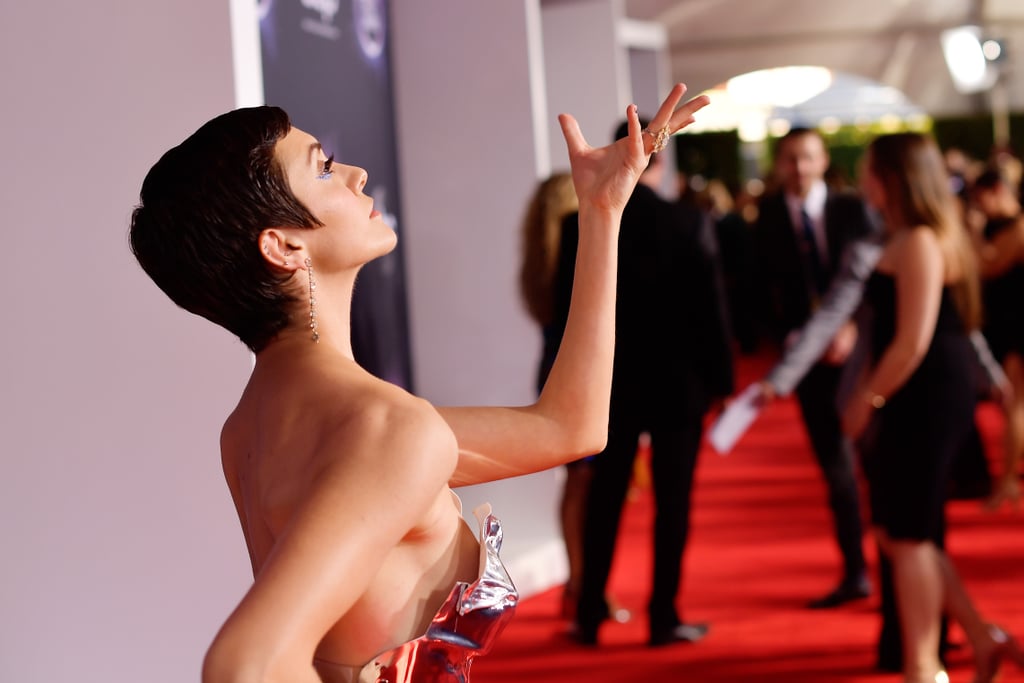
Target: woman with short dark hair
(364, 569)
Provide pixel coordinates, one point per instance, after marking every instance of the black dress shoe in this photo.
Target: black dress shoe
(847, 591)
(888, 665)
(582, 635)
(683, 633)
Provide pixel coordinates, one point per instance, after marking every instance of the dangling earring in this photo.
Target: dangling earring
(312, 301)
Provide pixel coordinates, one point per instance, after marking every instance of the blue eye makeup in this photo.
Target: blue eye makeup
(326, 172)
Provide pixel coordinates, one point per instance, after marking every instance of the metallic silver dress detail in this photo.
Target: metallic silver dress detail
(466, 625)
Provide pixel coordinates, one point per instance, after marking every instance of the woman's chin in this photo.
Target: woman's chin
(390, 243)
(385, 246)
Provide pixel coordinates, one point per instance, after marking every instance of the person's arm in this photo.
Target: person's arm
(356, 510)
(918, 267)
(837, 306)
(570, 418)
(990, 372)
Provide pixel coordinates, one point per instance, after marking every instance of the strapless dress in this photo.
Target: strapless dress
(465, 626)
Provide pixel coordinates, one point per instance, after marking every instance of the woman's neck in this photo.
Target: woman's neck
(320, 320)
(298, 337)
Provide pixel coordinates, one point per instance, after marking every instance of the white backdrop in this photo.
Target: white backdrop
(121, 554)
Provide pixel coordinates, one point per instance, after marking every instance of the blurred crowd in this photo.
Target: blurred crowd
(890, 301)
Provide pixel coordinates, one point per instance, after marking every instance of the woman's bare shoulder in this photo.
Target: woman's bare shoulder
(337, 435)
(332, 414)
(908, 249)
(384, 411)
(920, 236)
(376, 423)
(911, 243)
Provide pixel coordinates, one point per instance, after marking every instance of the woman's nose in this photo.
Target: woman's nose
(357, 179)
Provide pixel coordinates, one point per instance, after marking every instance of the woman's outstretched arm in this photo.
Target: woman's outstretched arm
(570, 418)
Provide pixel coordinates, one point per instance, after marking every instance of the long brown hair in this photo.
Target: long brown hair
(552, 201)
(918, 192)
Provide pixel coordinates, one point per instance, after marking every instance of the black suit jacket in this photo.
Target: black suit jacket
(672, 340)
(786, 293)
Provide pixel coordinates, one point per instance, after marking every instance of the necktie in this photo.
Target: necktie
(814, 264)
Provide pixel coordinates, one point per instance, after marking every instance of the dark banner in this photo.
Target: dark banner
(326, 62)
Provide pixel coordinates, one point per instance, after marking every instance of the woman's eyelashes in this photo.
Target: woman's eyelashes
(326, 172)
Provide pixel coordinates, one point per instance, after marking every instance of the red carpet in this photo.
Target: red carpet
(760, 547)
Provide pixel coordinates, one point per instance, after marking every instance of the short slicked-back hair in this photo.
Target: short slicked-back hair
(202, 207)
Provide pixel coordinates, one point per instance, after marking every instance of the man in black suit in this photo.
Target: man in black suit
(802, 231)
(672, 360)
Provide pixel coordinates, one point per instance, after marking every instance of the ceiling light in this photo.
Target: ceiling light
(786, 86)
(966, 60)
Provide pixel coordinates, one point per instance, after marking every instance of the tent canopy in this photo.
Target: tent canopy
(896, 43)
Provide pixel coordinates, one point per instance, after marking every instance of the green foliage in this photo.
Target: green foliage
(975, 134)
(719, 154)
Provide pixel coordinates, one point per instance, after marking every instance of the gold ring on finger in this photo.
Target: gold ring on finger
(660, 136)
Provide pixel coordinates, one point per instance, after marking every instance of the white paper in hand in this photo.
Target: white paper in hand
(735, 420)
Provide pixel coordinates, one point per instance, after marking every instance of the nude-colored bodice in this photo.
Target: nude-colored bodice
(465, 626)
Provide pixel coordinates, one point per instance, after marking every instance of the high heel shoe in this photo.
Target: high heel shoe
(1004, 646)
(617, 612)
(570, 597)
(1011, 648)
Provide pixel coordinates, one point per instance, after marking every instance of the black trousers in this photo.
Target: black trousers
(816, 395)
(675, 443)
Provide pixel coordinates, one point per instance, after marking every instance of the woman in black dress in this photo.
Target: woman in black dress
(1000, 246)
(918, 398)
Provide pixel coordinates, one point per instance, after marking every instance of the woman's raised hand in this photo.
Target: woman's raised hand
(604, 177)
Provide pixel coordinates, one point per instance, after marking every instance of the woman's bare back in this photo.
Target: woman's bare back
(294, 422)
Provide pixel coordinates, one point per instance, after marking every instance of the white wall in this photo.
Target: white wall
(465, 135)
(587, 75)
(596, 63)
(121, 554)
(465, 112)
(646, 46)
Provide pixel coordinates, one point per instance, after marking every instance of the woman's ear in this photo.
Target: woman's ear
(279, 250)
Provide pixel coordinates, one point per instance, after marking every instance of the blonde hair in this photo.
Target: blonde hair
(918, 192)
(553, 200)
